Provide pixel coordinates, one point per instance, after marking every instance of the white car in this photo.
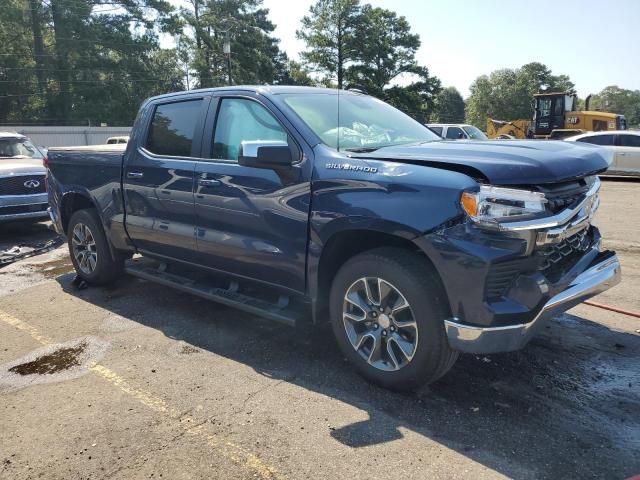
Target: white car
(457, 131)
(117, 140)
(625, 145)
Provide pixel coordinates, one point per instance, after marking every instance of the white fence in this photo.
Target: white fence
(67, 136)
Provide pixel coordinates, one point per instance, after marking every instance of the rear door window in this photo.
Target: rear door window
(455, 133)
(173, 128)
(598, 139)
(629, 140)
(437, 130)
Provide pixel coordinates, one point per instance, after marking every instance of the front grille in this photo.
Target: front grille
(564, 195)
(15, 185)
(17, 209)
(556, 259)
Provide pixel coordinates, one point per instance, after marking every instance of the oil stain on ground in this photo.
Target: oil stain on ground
(53, 363)
(57, 361)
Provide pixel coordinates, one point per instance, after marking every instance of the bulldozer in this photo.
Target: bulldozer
(555, 116)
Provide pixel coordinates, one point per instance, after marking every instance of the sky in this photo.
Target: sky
(595, 42)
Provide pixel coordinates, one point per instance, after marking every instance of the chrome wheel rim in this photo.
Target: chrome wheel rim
(380, 323)
(84, 248)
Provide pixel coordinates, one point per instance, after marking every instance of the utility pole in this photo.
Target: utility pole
(226, 49)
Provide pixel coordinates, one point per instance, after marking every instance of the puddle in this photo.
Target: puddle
(53, 363)
(56, 268)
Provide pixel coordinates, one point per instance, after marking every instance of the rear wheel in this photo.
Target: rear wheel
(388, 312)
(89, 249)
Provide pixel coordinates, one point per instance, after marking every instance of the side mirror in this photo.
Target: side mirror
(265, 154)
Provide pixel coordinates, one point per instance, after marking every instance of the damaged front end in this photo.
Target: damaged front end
(504, 277)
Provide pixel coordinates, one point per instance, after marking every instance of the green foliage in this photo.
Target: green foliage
(371, 48)
(507, 94)
(329, 31)
(449, 106)
(619, 100)
(79, 62)
(255, 55)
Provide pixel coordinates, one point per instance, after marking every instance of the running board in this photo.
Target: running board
(228, 296)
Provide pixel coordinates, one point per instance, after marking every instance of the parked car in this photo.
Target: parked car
(413, 248)
(457, 131)
(118, 140)
(23, 194)
(624, 144)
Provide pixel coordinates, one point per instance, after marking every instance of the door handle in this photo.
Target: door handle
(135, 174)
(622, 154)
(208, 182)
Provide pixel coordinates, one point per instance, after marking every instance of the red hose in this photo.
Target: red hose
(613, 309)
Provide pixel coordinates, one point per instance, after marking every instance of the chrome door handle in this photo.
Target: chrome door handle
(135, 174)
(207, 182)
(622, 154)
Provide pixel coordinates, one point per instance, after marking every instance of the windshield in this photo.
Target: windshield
(365, 123)
(18, 148)
(475, 133)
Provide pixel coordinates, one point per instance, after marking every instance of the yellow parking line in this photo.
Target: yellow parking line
(232, 451)
(25, 327)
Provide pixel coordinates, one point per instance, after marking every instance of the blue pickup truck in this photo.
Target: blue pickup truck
(299, 203)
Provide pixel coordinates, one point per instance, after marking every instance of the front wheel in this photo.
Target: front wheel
(388, 312)
(89, 249)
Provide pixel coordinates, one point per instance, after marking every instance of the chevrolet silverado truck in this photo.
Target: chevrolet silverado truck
(23, 194)
(300, 203)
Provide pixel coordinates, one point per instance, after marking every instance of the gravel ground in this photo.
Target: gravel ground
(149, 383)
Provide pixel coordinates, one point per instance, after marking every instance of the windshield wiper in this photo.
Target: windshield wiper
(362, 149)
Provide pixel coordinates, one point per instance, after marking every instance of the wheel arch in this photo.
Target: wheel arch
(346, 244)
(71, 203)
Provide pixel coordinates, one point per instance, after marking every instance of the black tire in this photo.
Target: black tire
(413, 277)
(106, 269)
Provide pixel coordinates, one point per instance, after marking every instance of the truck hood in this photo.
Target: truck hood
(505, 162)
(17, 166)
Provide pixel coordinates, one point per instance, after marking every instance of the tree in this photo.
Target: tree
(79, 61)
(384, 48)
(507, 94)
(618, 100)
(329, 32)
(448, 106)
(255, 55)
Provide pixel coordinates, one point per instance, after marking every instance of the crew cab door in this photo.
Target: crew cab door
(251, 222)
(158, 178)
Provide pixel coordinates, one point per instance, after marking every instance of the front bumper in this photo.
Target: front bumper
(603, 274)
(23, 207)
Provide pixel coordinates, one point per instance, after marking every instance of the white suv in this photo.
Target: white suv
(625, 145)
(457, 131)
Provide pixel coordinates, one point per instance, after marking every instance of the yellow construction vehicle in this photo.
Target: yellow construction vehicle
(555, 116)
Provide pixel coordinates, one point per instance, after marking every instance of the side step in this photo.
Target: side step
(155, 272)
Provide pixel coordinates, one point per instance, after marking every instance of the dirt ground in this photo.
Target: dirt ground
(140, 381)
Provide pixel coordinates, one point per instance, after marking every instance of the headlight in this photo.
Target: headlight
(492, 204)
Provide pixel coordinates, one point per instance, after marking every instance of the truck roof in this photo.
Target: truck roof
(11, 135)
(264, 90)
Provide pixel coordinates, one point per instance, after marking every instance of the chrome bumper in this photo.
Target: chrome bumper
(472, 339)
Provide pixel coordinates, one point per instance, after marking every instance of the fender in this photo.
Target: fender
(403, 200)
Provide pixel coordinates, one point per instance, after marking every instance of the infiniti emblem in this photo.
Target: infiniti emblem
(32, 183)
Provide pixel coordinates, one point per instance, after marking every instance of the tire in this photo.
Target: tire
(403, 277)
(103, 269)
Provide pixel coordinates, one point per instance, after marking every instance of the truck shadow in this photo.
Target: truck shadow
(564, 407)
